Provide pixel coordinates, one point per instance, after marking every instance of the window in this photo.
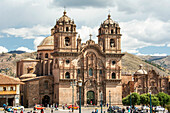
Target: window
(46, 55)
(116, 30)
(46, 84)
(78, 71)
(40, 55)
(67, 28)
(113, 62)
(67, 61)
(67, 41)
(90, 72)
(67, 75)
(112, 31)
(100, 71)
(113, 75)
(112, 43)
(11, 89)
(4, 88)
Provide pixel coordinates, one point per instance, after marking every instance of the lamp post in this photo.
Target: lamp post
(130, 102)
(101, 94)
(80, 85)
(73, 84)
(150, 102)
(110, 101)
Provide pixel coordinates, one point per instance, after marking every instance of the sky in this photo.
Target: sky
(145, 24)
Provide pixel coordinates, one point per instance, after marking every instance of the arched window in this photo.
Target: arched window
(46, 84)
(67, 28)
(78, 71)
(100, 71)
(67, 75)
(116, 30)
(112, 43)
(112, 31)
(90, 72)
(113, 75)
(46, 55)
(113, 62)
(40, 55)
(67, 61)
(67, 41)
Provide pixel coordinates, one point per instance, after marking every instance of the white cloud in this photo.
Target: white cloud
(168, 45)
(85, 31)
(24, 49)
(28, 33)
(3, 49)
(138, 34)
(36, 32)
(156, 54)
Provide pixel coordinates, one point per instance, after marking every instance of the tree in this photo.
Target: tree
(135, 99)
(163, 98)
(126, 100)
(144, 99)
(155, 100)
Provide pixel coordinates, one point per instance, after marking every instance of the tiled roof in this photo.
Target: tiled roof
(4, 79)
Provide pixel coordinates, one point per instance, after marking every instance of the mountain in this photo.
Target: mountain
(17, 52)
(160, 61)
(130, 63)
(8, 61)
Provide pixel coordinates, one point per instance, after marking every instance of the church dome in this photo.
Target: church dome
(65, 19)
(109, 21)
(47, 41)
(141, 71)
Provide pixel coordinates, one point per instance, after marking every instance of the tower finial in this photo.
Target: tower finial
(90, 36)
(109, 14)
(64, 10)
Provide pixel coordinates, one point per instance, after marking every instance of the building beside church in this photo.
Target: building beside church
(63, 59)
(9, 90)
(143, 81)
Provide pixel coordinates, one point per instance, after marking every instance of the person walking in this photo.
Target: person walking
(51, 110)
(42, 111)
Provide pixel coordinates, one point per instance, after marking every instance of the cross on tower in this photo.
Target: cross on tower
(64, 10)
(109, 11)
(90, 36)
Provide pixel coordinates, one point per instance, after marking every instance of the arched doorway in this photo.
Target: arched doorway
(90, 97)
(45, 100)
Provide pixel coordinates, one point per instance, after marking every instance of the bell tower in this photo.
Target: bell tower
(109, 38)
(65, 35)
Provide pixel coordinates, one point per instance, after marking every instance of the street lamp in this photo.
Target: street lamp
(73, 84)
(150, 102)
(80, 85)
(130, 102)
(110, 101)
(101, 95)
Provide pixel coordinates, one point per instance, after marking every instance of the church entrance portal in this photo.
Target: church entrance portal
(90, 98)
(45, 100)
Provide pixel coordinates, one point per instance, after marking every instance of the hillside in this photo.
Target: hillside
(8, 61)
(130, 63)
(163, 61)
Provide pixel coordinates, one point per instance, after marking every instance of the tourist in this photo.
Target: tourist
(107, 104)
(42, 111)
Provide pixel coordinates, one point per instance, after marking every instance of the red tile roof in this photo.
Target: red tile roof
(5, 79)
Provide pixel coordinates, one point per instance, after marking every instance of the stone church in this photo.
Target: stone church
(62, 60)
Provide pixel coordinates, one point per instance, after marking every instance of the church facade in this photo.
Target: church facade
(63, 60)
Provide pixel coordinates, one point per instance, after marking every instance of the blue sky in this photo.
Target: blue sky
(145, 24)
